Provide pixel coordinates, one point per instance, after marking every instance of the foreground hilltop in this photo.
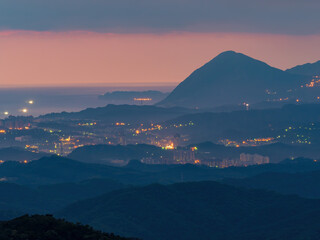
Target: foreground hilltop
(232, 78)
(42, 227)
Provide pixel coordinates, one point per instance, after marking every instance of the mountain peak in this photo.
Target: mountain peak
(228, 58)
(228, 53)
(230, 78)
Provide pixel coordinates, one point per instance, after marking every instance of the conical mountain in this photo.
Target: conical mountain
(231, 78)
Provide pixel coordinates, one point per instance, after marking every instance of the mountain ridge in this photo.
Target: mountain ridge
(231, 78)
(310, 69)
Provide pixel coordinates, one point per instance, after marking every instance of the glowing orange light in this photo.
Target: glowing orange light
(142, 99)
(65, 139)
(171, 146)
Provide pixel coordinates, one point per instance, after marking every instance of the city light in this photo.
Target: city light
(30, 101)
(142, 99)
(6, 113)
(24, 110)
(170, 147)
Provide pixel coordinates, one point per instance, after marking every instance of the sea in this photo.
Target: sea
(43, 100)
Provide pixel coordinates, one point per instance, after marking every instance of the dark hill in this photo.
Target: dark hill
(305, 184)
(122, 113)
(19, 199)
(55, 170)
(309, 69)
(19, 154)
(231, 78)
(116, 154)
(203, 210)
(46, 227)
(275, 151)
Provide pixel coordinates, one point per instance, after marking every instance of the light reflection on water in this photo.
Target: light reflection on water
(58, 99)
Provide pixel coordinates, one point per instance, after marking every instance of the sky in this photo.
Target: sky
(147, 42)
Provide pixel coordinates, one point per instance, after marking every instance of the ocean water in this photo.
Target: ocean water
(57, 99)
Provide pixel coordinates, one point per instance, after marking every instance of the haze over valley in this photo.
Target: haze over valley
(159, 120)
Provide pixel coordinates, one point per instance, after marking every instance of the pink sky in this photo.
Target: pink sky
(85, 58)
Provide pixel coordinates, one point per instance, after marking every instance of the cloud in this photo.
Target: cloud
(133, 16)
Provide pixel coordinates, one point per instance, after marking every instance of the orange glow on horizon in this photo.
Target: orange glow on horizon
(30, 58)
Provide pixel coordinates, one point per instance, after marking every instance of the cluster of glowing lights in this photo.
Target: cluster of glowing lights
(228, 142)
(120, 124)
(314, 83)
(261, 140)
(142, 99)
(65, 139)
(169, 147)
(156, 127)
(87, 124)
(31, 146)
(251, 142)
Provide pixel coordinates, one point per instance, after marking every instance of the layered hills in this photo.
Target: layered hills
(200, 210)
